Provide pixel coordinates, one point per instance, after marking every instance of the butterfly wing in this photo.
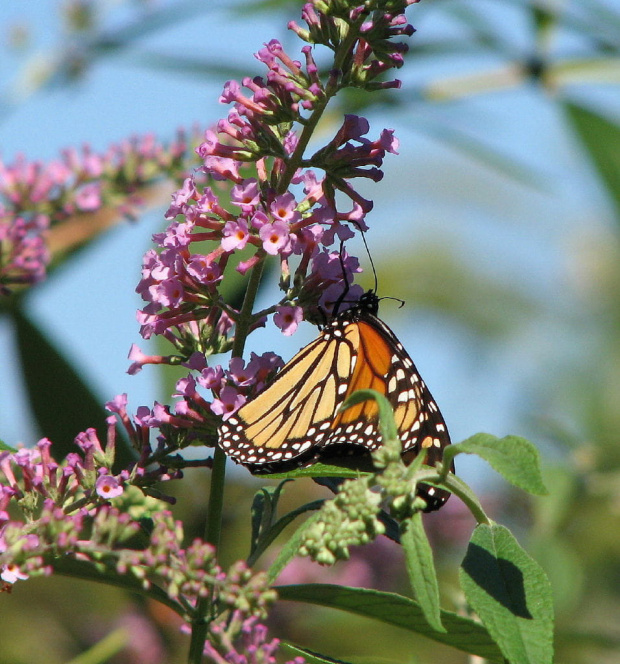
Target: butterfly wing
(296, 420)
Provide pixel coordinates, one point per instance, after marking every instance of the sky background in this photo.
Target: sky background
(526, 237)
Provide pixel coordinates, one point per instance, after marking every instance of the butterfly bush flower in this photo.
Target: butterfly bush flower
(250, 647)
(282, 203)
(36, 198)
(23, 251)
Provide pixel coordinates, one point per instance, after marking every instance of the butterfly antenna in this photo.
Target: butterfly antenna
(372, 265)
(345, 290)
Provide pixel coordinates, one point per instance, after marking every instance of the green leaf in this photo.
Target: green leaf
(319, 470)
(421, 569)
(601, 138)
(387, 424)
(270, 535)
(510, 593)
(393, 609)
(309, 656)
(63, 404)
(515, 458)
(99, 573)
(289, 550)
(6, 448)
(263, 512)
(104, 650)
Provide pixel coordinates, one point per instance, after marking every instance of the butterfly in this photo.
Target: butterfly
(297, 421)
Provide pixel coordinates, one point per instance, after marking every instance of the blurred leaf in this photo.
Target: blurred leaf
(188, 66)
(257, 6)
(87, 571)
(146, 24)
(515, 458)
(584, 70)
(101, 652)
(439, 278)
(563, 567)
(61, 401)
(482, 30)
(309, 656)
(601, 138)
(421, 569)
(393, 609)
(6, 448)
(510, 593)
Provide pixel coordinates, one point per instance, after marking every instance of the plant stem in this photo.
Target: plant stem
(213, 527)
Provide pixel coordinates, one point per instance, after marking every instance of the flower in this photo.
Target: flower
(108, 487)
(11, 573)
(228, 402)
(287, 318)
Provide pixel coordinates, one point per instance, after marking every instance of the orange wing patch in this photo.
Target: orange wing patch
(372, 365)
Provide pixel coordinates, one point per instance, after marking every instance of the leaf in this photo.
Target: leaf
(109, 646)
(289, 550)
(63, 404)
(269, 536)
(99, 573)
(510, 593)
(387, 423)
(482, 152)
(7, 448)
(317, 470)
(515, 458)
(601, 138)
(421, 569)
(263, 512)
(394, 609)
(310, 657)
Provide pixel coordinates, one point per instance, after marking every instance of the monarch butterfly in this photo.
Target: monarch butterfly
(296, 421)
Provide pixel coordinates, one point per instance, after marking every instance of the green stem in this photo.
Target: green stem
(296, 159)
(205, 609)
(458, 488)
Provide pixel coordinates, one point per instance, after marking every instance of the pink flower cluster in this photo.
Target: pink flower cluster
(71, 491)
(250, 647)
(23, 251)
(257, 196)
(35, 196)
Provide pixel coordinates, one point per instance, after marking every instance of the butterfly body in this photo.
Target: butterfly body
(297, 420)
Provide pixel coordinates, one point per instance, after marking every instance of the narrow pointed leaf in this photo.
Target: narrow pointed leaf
(462, 633)
(387, 423)
(511, 594)
(310, 657)
(62, 403)
(421, 569)
(601, 138)
(103, 651)
(268, 537)
(288, 551)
